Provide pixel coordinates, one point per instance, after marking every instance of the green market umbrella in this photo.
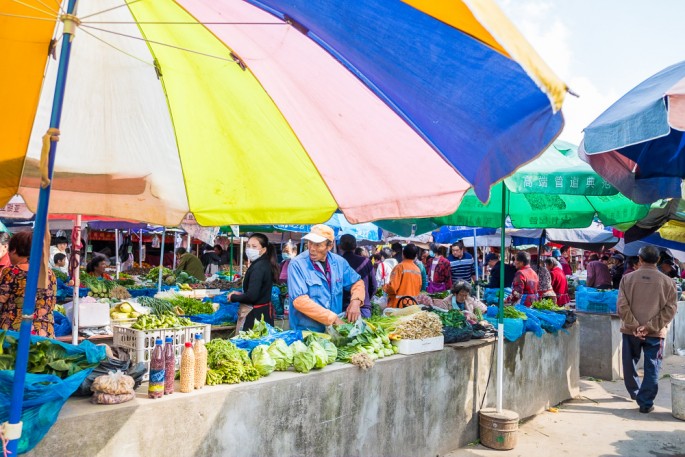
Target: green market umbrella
(556, 190)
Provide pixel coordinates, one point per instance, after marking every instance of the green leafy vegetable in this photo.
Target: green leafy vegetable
(281, 354)
(262, 361)
(304, 361)
(320, 355)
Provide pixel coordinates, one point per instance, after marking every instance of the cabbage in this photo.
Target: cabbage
(319, 353)
(298, 346)
(281, 353)
(303, 361)
(330, 349)
(262, 361)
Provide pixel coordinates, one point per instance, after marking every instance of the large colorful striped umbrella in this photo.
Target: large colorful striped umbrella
(638, 144)
(272, 112)
(262, 112)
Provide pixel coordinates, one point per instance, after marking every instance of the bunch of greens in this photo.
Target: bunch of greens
(59, 274)
(153, 274)
(157, 306)
(453, 318)
(512, 313)
(547, 304)
(191, 306)
(440, 295)
(226, 364)
(45, 357)
(259, 330)
(126, 282)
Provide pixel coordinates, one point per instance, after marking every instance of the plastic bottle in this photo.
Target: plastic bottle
(188, 368)
(200, 361)
(169, 365)
(156, 383)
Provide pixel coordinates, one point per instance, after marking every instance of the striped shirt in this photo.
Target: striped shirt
(463, 268)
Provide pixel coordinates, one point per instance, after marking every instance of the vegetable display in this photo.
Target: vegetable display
(119, 292)
(440, 295)
(547, 304)
(418, 326)
(262, 361)
(191, 306)
(123, 311)
(281, 353)
(156, 305)
(453, 318)
(512, 313)
(59, 274)
(303, 359)
(153, 321)
(45, 357)
(153, 274)
(226, 364)
(372, 341)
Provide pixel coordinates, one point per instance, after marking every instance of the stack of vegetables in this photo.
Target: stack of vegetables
(411, 323)
(122, 311)
(226, 364)
(546, 304)
(161, 315)
(45, 357)
(190, 306)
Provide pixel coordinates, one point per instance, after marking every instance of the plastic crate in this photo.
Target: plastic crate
(138, 344)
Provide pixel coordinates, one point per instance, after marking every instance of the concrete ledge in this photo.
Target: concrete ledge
(424, 404)
(600, 346)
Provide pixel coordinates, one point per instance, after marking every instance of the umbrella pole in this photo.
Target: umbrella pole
(77, 286)
(173, 262)
(230, 268)
(14, 427)
(161, 261)
(116, 254)
(475, 259)
(140, 249)
(241, 256)
(500, 315)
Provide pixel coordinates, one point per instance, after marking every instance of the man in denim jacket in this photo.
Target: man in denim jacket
(316, 280)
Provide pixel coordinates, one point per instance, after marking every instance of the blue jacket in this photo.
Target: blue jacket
(304, 279)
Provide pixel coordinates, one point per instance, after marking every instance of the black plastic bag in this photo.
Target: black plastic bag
(457, 335)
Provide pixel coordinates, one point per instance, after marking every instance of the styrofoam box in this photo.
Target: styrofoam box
(138, 344)
(94, 314)
(408, 347)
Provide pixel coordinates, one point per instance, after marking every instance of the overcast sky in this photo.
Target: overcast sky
(600, 48)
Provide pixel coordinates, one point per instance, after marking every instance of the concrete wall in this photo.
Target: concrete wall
(425, 404)
(600, 346)
(601, 343)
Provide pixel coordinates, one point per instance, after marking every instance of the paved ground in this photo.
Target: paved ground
(603, 421)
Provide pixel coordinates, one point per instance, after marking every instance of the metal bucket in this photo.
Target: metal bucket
(498, 430)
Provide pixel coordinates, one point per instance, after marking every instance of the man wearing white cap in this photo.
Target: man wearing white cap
(316, 279)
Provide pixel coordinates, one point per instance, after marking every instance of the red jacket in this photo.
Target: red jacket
(560, 286)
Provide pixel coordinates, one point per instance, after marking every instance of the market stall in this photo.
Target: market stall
(427, 403)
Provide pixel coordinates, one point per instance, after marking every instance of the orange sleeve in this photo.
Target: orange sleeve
(313, 310)
(395, 281)
(358, 291)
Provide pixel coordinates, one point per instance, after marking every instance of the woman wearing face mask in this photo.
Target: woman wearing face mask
(259, 279)
(438, 270)
(289, 252)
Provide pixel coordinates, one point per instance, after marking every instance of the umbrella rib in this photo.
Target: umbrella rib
(184, 23)
(118, 49)
(49, 7)
(108, 9)
(159, 43)
(51, 19)
(52, 14)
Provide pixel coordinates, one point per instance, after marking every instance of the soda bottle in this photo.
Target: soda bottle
(156, 383)
(187, 368)
(169, 365)
(200, 361)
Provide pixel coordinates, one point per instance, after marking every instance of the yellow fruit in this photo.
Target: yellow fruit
(133, 315)
(125, 308)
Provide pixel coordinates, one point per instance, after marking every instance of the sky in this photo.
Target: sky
(600, 48)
